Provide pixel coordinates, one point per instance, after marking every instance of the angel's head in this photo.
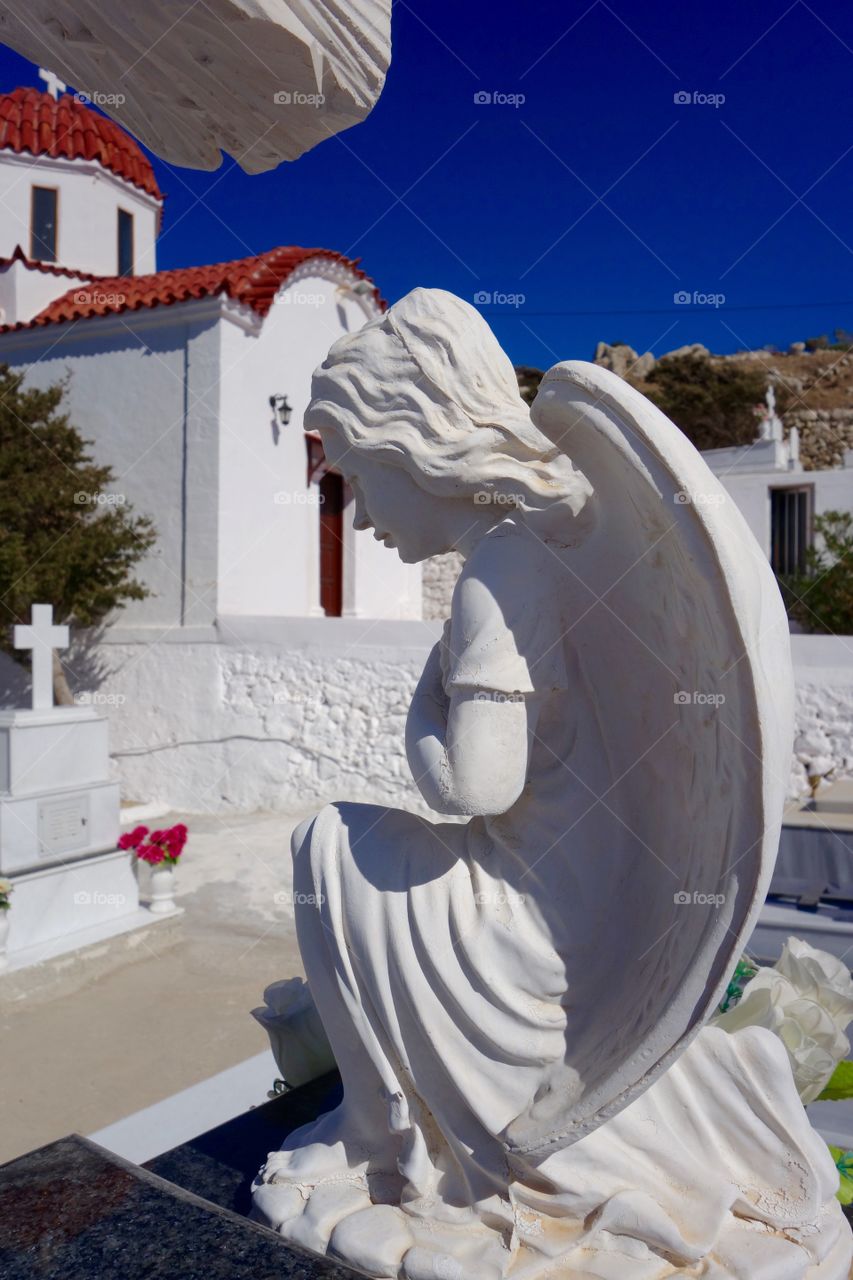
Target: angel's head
(422, 404)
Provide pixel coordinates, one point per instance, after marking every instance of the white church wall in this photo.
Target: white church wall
(196, 432)
(155, 390)
(265, 526)
(89, 198)
(378, 584)
(268, 515)
(143, 388)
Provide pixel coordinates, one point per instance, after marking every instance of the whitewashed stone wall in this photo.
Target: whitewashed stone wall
(824, 735)
(287, 715)
(823, 668)
(439, 579)
(263, 715)
(264, 725)
(257, 724)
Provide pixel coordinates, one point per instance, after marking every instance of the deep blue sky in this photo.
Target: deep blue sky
(750, 199)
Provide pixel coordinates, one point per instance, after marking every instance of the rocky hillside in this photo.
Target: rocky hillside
(814, 389)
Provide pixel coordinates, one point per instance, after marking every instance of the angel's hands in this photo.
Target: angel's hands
(468, 750)
(430, 691)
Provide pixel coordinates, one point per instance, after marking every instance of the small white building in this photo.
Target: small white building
(778, 499)
(190, 383)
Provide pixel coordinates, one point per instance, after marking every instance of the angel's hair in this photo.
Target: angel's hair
(427, 388)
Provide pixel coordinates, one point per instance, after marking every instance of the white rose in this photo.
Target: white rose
(807, 1001)
(819, 976)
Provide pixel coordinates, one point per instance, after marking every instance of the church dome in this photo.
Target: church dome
(64, 128)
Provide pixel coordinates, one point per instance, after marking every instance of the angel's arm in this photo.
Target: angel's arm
(469, 752)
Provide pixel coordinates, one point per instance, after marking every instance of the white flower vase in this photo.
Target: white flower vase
(162, 900)
(297, 1037)
(4, 937)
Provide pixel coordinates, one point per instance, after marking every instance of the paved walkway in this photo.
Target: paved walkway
(165, 1019)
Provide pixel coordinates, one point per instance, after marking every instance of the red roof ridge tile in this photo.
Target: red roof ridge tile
(47, 268)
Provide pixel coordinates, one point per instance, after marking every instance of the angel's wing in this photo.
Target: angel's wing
(683, 692)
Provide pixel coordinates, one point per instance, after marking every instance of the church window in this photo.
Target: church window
(125, 243)
(43, 224)
(790, 528)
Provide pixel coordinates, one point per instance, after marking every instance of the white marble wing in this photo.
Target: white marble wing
(680, 670)
(263, 80)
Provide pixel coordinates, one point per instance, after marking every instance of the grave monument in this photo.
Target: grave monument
(59, 811)
(517, 1001)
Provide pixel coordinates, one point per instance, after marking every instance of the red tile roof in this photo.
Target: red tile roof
(43, 126)
(254, 281)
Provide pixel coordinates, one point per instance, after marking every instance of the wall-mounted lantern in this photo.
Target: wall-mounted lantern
(281, 407)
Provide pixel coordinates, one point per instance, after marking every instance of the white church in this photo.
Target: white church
(190, 383)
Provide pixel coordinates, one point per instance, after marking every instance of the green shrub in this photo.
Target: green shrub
(821, 598)
(59, 543)
(712, 401)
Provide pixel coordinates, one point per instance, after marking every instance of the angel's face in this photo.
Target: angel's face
(387, 500)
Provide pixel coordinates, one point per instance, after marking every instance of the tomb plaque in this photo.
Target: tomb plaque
(63, 825)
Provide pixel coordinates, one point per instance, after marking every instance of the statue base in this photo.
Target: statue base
(714, 1171)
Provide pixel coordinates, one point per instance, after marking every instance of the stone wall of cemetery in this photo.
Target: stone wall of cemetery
(823, 671)
(282, 716)
(286, 715)
(257, 723)
(825, 436)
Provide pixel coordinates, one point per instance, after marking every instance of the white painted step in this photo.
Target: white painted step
(185, 1115)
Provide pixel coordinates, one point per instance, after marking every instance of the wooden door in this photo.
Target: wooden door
(331, 544)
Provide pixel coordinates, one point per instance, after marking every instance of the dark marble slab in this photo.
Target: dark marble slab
(221, 1164)
(73, 1211)
(814, 861)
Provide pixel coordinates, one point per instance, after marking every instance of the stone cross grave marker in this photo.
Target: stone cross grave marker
(42, 637)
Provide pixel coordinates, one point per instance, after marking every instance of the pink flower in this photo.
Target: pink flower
(162, 846)
(151, 853)
(175, 840)
(132, 839)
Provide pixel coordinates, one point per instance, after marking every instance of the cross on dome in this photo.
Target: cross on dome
(54, 86)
